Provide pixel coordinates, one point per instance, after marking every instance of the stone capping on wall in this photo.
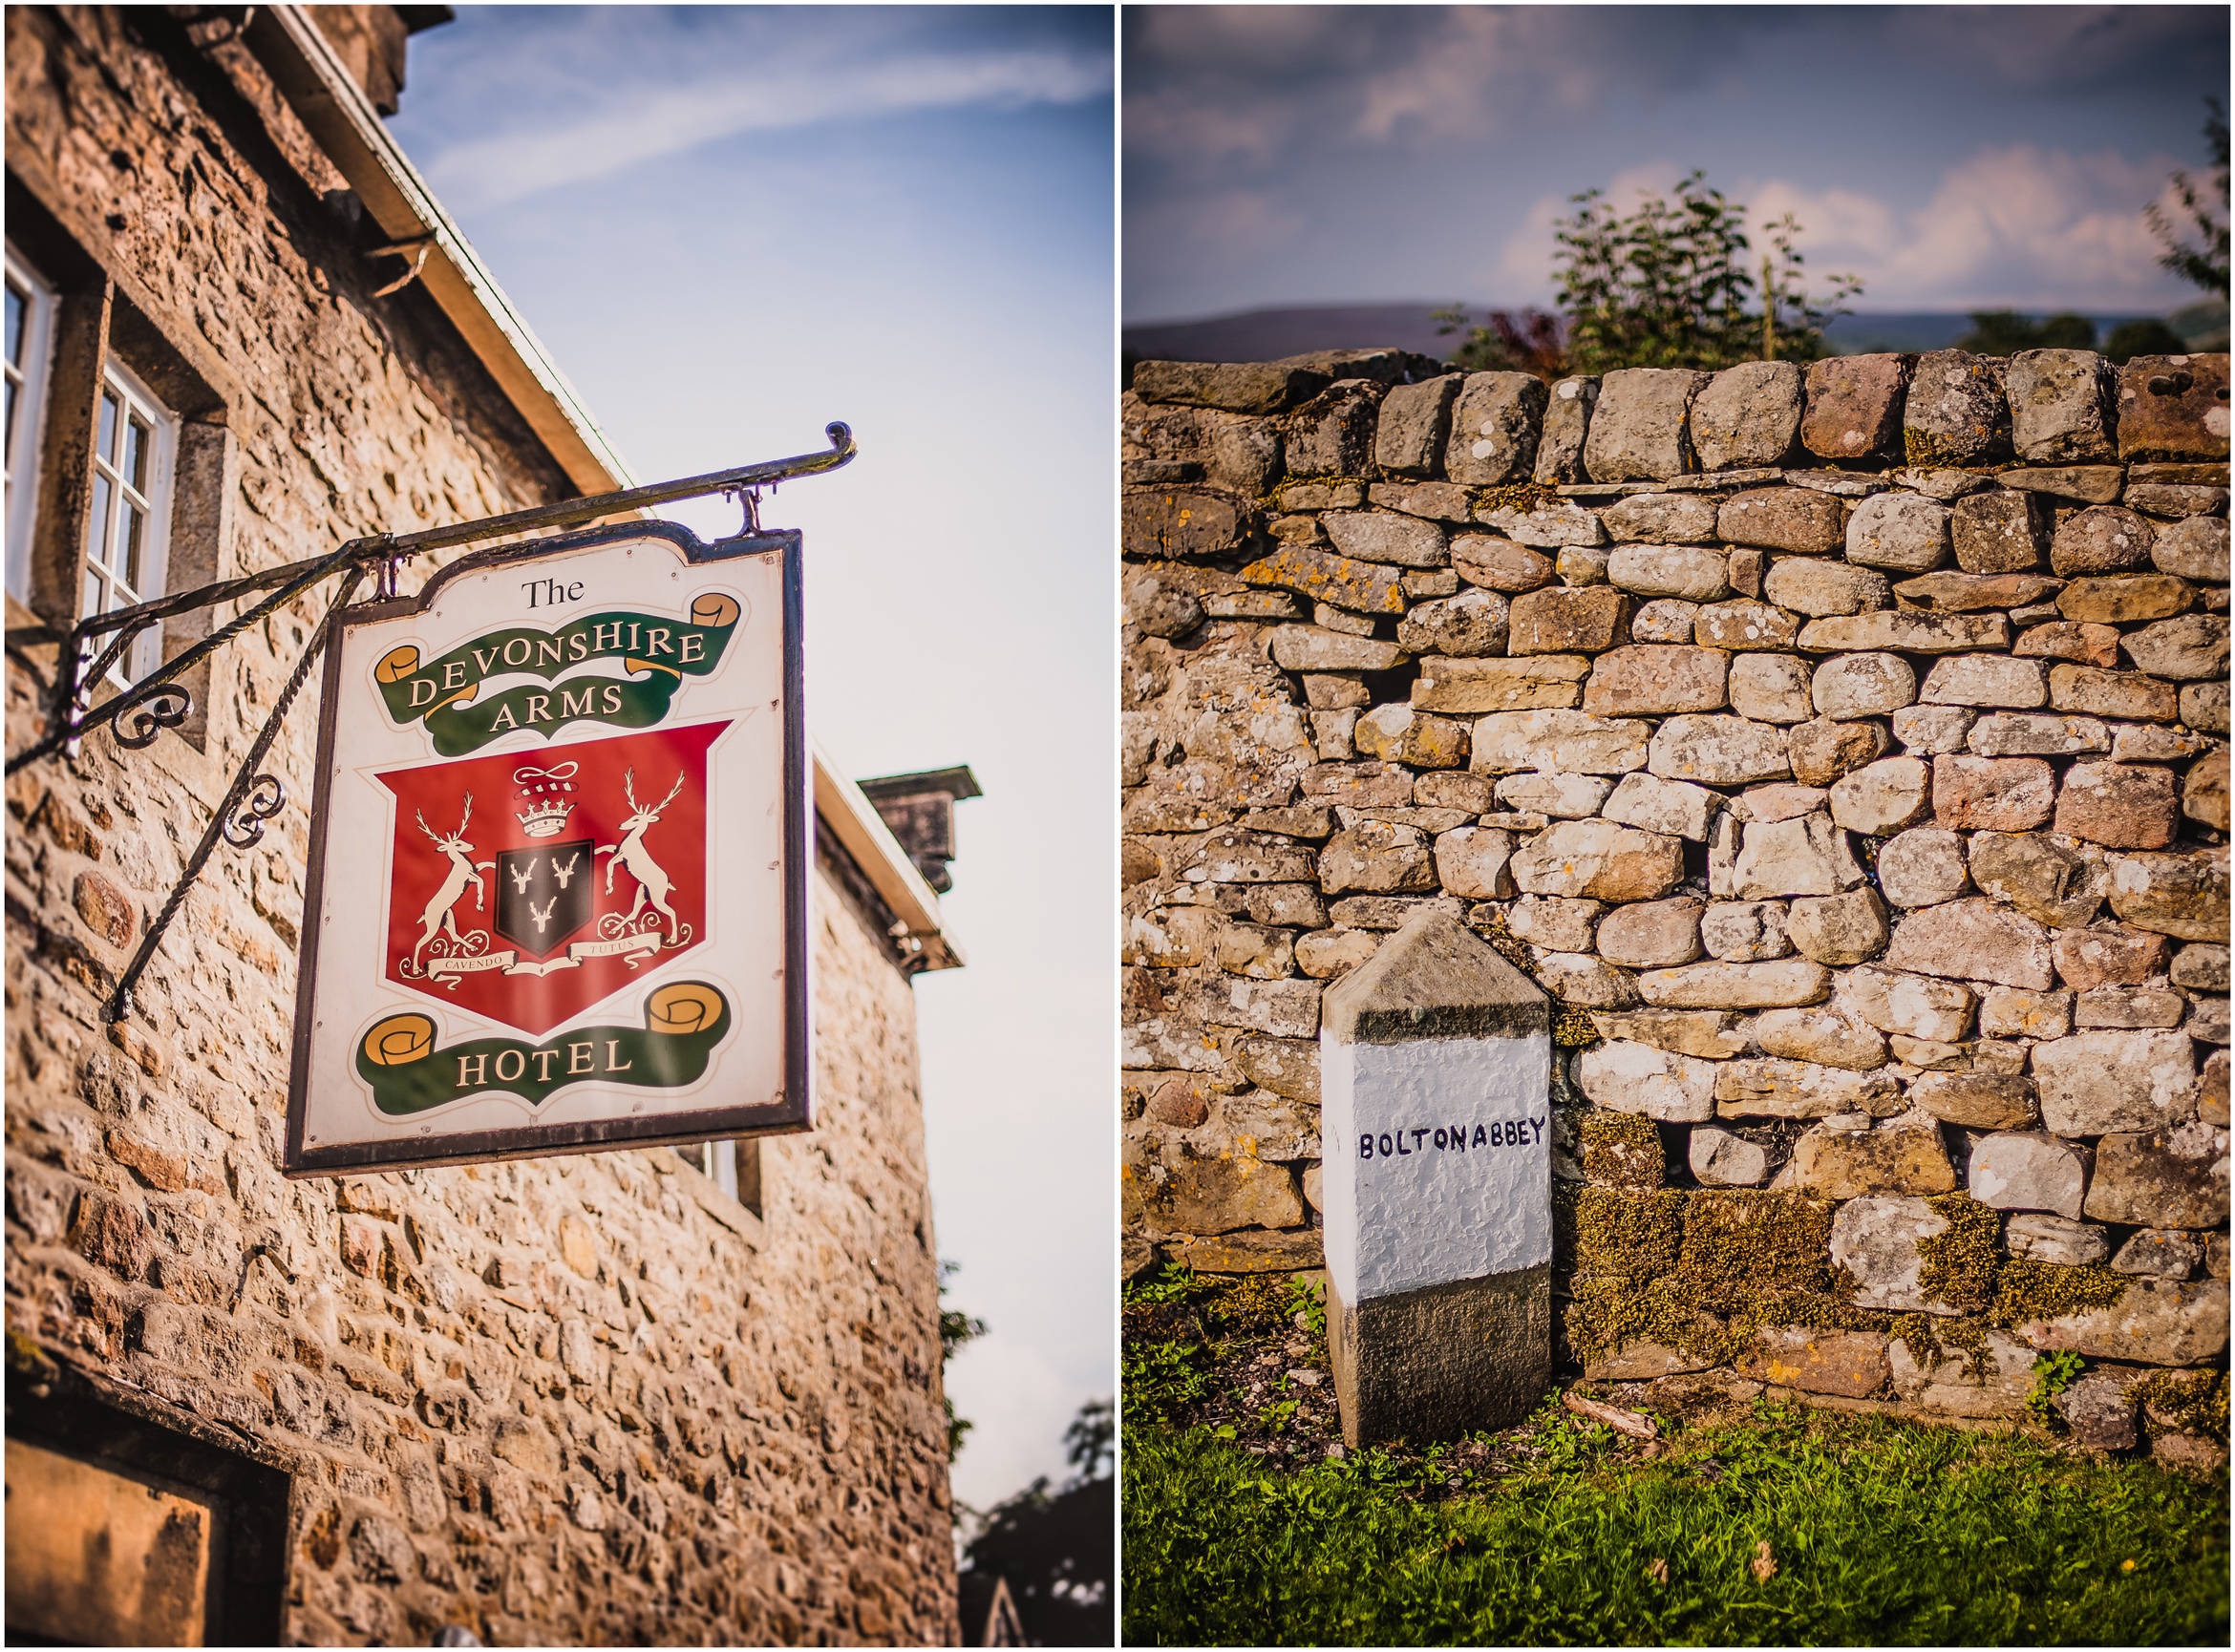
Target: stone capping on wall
(1842, 744)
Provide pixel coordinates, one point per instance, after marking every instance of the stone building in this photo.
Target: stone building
(637, 1396)
(1843, 748)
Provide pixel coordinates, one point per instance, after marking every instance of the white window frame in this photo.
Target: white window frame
(104, 585)
(27, 411)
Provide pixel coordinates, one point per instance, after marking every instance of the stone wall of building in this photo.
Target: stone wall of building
(567, 1400)
(1842, 747)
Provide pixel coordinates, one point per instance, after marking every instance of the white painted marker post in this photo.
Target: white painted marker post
(1435, 1124)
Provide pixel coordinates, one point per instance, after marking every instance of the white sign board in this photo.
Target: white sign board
(558, 861)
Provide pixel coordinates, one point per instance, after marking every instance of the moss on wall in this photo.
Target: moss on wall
(2184, 1402)
(1632, 1236)
(2038, 1290)
(1961, 1263)
(1743, 1239)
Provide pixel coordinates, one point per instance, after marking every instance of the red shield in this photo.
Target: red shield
(529, 886)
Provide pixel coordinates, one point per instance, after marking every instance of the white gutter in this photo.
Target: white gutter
(335, 110)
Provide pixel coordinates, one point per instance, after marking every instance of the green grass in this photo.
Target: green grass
(1882, 1533)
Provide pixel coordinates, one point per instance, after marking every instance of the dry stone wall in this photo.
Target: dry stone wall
(1843, 746)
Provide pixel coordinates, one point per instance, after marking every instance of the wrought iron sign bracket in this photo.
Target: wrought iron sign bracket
(88, 650)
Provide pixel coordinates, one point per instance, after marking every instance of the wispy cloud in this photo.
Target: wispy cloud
(648, 123)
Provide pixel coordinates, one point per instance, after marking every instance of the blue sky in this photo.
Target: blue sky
(730, 226)
(1954, 157)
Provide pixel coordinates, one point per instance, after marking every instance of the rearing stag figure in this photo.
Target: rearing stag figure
(439, 915)
(653, 883)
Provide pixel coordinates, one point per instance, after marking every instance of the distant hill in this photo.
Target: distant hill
(1269, 334)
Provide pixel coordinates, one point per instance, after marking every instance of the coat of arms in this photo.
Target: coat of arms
(586, 863)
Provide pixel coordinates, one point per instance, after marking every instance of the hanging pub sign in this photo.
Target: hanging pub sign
(558, 857)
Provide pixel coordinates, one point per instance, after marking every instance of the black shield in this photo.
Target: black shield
(543, 894)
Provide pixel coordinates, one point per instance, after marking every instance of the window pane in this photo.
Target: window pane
(108, 443)
(15, 311)
(93, 595)
(135, 444)
(10, 422)
(135, 524)
(96, 534)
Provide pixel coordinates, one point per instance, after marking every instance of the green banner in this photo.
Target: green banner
(445, 693)
(683, 1022)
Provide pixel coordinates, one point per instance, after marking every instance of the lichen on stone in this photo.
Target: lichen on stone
(1524, 496)
(2039, 1290)
(1960, 1263)
(1623, 1150)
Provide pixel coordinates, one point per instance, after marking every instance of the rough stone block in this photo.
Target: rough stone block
(1977, 1100)
(1562, 796)
(2008, 1012)
(1664, 620)
(2156, 1322)
(2167, 1178)
(2194, 549)
(1905, 1155)
(1638, 427)
(1599, 861)
(1718, 751)
(1568, 742)
(2124, 599)
(1237, 387)
(1472, 623)
(1744, 625)
(2037, 734)
(1805, 856)
(1651, 933)
(1796, 519)
(2185, 649)
(2095, 1083)
(2204, 790)
(1951, 593)
(1898, 530)
(1560, 525)
(2125, 695)
(1661, 1084)
(2101, 540)
(1769, 688)
(1558, 923)
(1974, 939)
(1717, 1158)
(1849, 686)
(1778, 985)
(2184, 895)
(2162, 1253)
(1839, 929)
(1314, 649)
(1955, 412)
(1387, 537)
(1992, 793)
(1475, 862)
(1854, 405)
(2060, 406)
(1747, 932)
(1913, 1005)
(2092, 484)
(1771, 1087)
(1822, 750)
(1922, 867)
(1691, 573)
(1656, 678)
(1950, 1386)
(2120, 805)
(2172, 407)
(1416, 419)
(1378, 858)
(1561, 620)
(2098, 1411)
(1906, 630)
(1822, 587)
(1999, 532)
(1332, 433)
(1395, 733)
(1748, 415)
(1362, 587)
(1493, 428)
(1661, 520)
(2055, 1238)
(1671, 807)
(1981, 680)
(1495, 684)
(1567, 422)
(1929, 730)
(1875, 1240)
(1500, 564)
(2084, 642)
